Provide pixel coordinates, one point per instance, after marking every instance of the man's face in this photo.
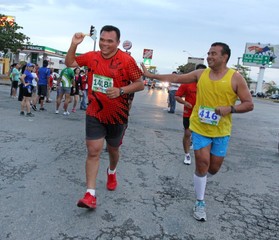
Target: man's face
(215, 57)
(108, 43)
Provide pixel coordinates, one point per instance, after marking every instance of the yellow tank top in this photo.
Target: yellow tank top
(212, 94)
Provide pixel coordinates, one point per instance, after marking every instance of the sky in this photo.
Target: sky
(173, 29)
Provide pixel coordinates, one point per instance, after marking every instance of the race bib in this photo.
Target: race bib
(207, 115)
(101, 83)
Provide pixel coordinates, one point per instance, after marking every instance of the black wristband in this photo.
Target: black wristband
(233, 109)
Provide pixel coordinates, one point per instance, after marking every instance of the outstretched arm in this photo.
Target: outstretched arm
(174, 78)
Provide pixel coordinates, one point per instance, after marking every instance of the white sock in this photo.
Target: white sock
(91, 191)
(199, 185)
(111, 171)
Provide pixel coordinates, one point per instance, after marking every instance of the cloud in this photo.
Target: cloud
(167, 26)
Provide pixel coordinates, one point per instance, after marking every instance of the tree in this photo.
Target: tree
(271, 88)
(186, 68)
(10, 39)
(244, 72)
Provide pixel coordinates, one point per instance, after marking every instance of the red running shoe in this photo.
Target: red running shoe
(112, 182)
(88, 201)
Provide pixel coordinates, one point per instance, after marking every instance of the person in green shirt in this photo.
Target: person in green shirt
(64, 84)
(15, 79)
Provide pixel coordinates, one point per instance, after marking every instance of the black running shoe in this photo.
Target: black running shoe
(34, 107)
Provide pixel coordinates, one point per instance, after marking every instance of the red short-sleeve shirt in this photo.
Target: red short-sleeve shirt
(123, 69)
(188, 90)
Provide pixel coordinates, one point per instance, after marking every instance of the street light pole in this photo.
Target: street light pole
(188, 53)
(238, 66)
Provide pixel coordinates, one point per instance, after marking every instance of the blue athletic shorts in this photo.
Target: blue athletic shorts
(219, 145)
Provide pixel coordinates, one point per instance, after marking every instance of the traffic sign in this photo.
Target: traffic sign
(255, 58)
(147, 53)
(127, 45)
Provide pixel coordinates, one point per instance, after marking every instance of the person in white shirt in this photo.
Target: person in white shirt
(172, 90)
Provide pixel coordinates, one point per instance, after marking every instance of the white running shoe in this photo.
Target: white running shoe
(66, 113)
(57, 111)
(199, 211)
(187, 159)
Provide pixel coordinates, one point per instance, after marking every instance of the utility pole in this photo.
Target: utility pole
(93, 35)
(238, 66)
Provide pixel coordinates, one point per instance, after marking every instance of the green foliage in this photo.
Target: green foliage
(244, 71)
(189, 67)
(271, 88)
(10, 38)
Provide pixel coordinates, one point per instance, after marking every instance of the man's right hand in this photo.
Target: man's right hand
(78, 38)
(146, 73)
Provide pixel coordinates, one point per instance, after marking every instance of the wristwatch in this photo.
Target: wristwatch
(121, 91)
(233, 109)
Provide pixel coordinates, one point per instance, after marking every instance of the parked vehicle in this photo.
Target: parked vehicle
(261, 95)
(160, 85)
(274, 96)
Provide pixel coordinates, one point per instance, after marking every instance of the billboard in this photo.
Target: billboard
(196, 60)
(147, 53)
(258, 54)
(9, 19)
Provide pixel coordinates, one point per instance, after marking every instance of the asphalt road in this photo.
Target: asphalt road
(43, 175)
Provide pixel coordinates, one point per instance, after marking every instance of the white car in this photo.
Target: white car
(161, 85)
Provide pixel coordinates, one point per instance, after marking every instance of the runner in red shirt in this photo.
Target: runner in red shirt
(110, 72)
(188, 91)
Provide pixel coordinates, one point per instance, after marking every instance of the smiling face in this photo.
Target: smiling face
(215, 58)
(108, 43)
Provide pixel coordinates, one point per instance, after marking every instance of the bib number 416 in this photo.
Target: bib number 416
(208, 115)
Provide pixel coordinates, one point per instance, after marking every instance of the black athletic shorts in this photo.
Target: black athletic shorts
(113, 133)
(42, 90)
(27, 91)
(15, 84)
(186, 122)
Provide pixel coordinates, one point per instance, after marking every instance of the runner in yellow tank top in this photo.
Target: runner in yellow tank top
(218, 87)
(212, 94)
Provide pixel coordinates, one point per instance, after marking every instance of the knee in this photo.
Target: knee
(112, 150)
(201, 168)
(213, 170)
(93, 156)
(187, 134)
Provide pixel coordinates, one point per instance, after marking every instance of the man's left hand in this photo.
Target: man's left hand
(113, 92)
(223, 111)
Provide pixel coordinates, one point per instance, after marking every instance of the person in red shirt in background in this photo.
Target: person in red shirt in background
(188, 91)
(84, 89)
(49, 89)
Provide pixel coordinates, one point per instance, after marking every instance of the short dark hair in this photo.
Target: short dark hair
(226, 49)
(110, 28)
(45, 63)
